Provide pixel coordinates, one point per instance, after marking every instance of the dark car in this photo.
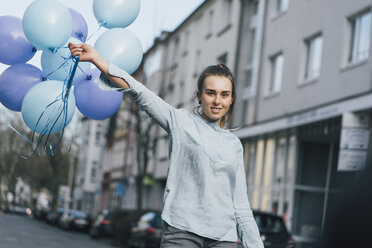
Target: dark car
(146, 232)
(274, 233)
(54, 215)
(75, 219)
(101, 226)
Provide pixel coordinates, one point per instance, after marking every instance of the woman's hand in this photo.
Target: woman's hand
(88, 53)
(85, 51)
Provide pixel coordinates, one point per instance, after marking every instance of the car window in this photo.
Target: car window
(147, 217)
(270, 224)
(157, 222)
(80, 214)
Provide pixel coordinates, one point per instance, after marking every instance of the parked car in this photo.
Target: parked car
(40, 213)
(54, 215)
(74, 219)
(101, 225)
(18, 209)
(146, 232)
(274, 233)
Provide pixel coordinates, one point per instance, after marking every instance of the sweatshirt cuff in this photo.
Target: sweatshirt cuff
(105, 84)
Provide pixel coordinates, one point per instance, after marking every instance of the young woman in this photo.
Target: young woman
(205, 199)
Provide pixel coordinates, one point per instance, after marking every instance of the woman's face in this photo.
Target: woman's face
(216, 97)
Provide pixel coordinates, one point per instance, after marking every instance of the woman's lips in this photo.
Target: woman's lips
(215, 110)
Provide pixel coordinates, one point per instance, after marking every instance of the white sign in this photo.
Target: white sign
(354, 142)
(352, 160)
(354, 138)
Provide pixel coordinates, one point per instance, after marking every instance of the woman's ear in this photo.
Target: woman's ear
(198, 96)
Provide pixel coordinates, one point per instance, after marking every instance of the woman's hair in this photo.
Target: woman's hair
(223, 71)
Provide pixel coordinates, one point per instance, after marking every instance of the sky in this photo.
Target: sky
(155, 16)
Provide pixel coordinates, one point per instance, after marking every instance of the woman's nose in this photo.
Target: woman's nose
(216, 100)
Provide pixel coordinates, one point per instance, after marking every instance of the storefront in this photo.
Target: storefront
(296, 171)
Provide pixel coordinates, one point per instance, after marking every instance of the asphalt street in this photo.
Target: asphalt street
(18, 231)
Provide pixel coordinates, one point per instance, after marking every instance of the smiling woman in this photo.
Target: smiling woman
(205, 199)
(216, 93)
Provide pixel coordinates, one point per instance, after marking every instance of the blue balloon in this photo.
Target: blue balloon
(120, 47)
(47, 24)
(105, 103)
(14, 46)
(79, 26)
(15, 82)
(116, 13)
(43, 107)
(57, 66)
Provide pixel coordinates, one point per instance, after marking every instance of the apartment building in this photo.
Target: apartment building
(89, 164)
(304, 74)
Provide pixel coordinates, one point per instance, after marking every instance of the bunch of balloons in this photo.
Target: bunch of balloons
(47, 97)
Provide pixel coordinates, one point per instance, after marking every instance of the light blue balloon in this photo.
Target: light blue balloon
(42, 107)
(116, 13)
(47, 24)
(120, 47)
(57, 66)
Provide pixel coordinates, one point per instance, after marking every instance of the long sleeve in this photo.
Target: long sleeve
(160, 111)
(246, 226)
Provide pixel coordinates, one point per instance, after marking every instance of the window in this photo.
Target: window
(226, 10)
(197, 63)
(282, 6)
(276, 73)
(93, 172)
(360, 37)
(314, 48)
(186, 43)
(210, 24)
(175, 50)
(222, 59)
(98, 137)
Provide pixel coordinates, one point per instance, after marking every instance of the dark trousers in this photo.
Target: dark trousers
(175, 238)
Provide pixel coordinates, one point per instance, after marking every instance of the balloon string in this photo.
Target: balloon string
(99, 27)
(65, 97)
(62, 110)
(65, 61)
(15, 130)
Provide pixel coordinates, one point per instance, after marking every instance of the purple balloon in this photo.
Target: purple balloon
(79, 26)
(93, 102)
(14, 46)
(15, 82)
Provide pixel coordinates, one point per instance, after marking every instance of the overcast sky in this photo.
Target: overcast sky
(154, 17)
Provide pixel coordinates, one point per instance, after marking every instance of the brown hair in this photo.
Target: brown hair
(223, 71)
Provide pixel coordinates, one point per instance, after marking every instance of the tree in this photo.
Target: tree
(38, 170)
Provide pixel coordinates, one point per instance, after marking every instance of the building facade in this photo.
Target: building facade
(306, 98)
(89, 164)
(303, 105)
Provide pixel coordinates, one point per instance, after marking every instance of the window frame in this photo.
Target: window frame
(270, 89)
(310, 55)
(355, 23)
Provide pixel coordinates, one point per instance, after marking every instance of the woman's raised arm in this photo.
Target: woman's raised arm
(160, 111)
(88, 53)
